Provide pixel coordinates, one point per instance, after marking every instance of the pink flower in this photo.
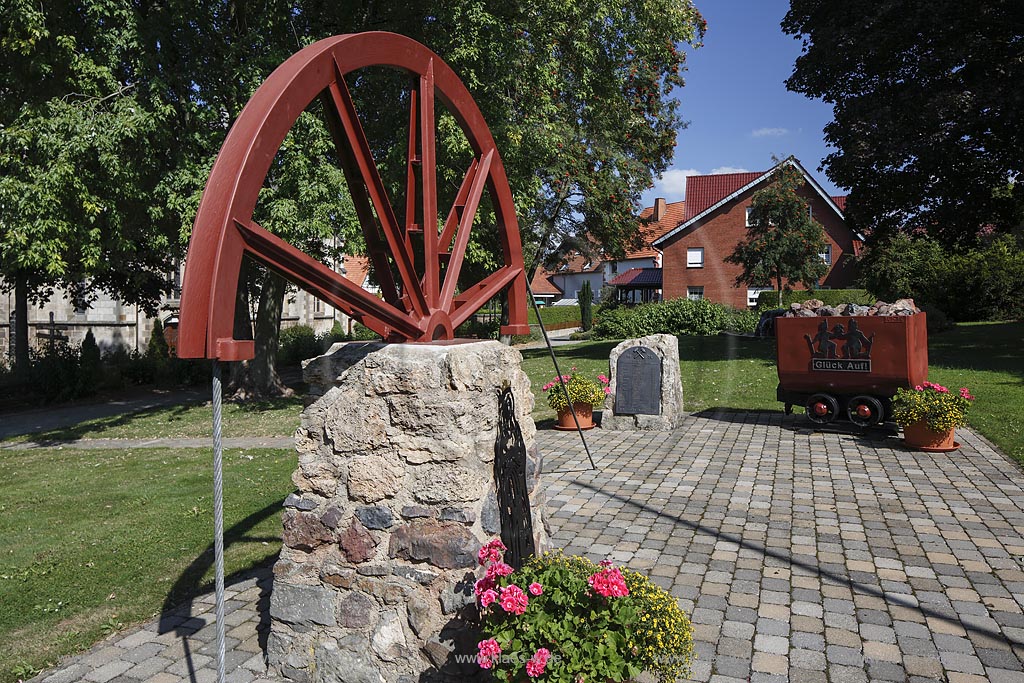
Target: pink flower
(605, 563)
(491, 552)
(547, 386)
(966, 394)
(499, 568)
(918, 388)
(603, 379)
(483, 585)
(487, 597)
(513, 599)
(488, 652)
(609, 583)
(535, 667)
(536, 588)
(607, 390)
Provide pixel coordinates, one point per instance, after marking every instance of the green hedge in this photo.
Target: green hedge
(677, 316)
(299, 342)
(552, 315)
(831, 297)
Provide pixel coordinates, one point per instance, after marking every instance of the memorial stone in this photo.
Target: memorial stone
(646, 391)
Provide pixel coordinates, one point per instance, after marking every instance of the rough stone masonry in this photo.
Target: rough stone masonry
(396, 494)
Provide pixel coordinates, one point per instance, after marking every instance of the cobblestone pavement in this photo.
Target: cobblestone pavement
(802, 556)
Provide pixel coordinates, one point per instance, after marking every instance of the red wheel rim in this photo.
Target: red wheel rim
(820, 409)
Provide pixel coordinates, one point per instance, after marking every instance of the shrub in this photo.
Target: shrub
(157, 347)
(676, 316)
(586, 306)
(296, 344)
(741, 320)
(553, 315)
(89, 365)
(831, 297)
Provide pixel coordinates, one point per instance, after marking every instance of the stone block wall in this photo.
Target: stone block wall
(395, 496)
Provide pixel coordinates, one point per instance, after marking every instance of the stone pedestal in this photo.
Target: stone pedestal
(670, 397)
(396, 494)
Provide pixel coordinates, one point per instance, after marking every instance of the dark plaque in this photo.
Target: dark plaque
(638, 382)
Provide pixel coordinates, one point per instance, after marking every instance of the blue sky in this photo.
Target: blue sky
(736, 101)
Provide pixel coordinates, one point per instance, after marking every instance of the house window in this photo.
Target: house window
(695, 293)
(753, 293)
(826, 254)
(747, 222)
(695, 257)
(318, 306)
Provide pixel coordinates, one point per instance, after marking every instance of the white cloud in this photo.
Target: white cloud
(769, 132)
(728, 169)
(672, 184)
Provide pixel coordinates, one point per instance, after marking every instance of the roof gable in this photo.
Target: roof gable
(675, 212)
(756, 180)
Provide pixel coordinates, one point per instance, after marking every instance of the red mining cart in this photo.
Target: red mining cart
(849, 366)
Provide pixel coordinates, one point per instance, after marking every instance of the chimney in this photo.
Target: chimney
(659, 208)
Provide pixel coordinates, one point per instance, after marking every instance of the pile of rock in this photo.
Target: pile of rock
(816, 307)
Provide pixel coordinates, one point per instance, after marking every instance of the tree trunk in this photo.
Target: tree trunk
(778, 279)
(19, 335)
(257, 378)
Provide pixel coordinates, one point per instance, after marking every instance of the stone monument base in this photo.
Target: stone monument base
(396, 493)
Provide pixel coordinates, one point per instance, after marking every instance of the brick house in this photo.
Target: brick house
(715, 221)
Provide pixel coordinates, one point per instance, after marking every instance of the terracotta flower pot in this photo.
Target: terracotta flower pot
(922, 438)
(584, 413)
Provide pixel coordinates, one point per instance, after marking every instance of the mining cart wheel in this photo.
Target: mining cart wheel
(422, 303)
(822, 408)
(865, 411)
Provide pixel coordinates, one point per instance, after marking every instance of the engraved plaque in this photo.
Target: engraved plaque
(638, 382)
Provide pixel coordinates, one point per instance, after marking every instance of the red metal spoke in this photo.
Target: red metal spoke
(360, 148)
(428, 178)
(474, 298)
(413, 160)
(375, 248)
(451, 223)
(476, 191)
(323, 282)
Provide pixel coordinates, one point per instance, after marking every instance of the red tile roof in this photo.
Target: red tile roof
(542, 285)
(356, 269)
(840, 202)
(674, 213)
(636, 277)
(704, 191)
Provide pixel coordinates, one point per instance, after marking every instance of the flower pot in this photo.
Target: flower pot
(584, 413)
(922, 438)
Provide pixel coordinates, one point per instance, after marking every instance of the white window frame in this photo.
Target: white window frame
(826, 255)
(695, 264)
(746, 220)
(754, 292)
(693, 294)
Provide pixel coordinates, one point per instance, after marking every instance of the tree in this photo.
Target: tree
(928, 125)
(586, 306)
(783, 242)
(77, 130)
(899, 266)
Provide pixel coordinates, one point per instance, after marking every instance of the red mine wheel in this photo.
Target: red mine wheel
(419, 306)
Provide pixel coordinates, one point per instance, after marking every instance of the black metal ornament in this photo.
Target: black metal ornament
(510, 482)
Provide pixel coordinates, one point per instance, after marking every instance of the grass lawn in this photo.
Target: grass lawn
(276, 417)
(91, 540)
(731, 372)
